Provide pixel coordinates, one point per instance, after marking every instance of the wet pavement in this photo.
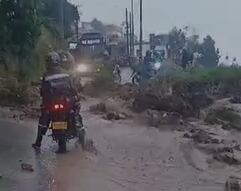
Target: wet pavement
(130, 157)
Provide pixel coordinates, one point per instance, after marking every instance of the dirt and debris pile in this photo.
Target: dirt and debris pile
(158, 118)
(215, 145)
(186, 105)
(231, 158)
(153, 101)
(233, 184)
(227, 117)
(111, 109)
(201, 136)
(235, 99)
(127, 91)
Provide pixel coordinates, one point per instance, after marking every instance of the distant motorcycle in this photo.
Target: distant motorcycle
(155, 68)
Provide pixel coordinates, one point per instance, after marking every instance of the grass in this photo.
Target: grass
(206, 75)
(214, 81)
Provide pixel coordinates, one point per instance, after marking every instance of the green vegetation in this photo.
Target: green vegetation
(179, 39)
(29, 30)
(209, 74)
(103, 79)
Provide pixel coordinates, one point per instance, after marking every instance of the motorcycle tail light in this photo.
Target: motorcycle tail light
(58, 106)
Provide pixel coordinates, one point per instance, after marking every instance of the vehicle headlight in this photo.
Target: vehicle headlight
(83, 68)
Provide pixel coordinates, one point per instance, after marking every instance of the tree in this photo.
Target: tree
(177, 41)
(20, 29)
(71, 17)
(98, 25)
(51, 13)
(193, 44)
(209, 52)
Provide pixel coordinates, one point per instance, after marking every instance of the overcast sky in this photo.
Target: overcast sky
(219, 18)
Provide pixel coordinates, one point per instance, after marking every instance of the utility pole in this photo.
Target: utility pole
(77, 30)
(132, 27)
(141, 30)
(62, 17)
(127, 34)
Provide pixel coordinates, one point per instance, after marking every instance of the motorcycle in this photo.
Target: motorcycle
(63, 123)
(155, 69)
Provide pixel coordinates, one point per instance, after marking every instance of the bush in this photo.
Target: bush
(103, 80)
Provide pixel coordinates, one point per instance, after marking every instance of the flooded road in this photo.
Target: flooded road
(130, 157)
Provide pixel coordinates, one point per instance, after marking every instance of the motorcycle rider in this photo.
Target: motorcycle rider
(146, 69)
(143, 71)
(117, 71)
(54, 71)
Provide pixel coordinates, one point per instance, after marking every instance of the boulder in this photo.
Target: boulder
(27, 167)
(98, 108)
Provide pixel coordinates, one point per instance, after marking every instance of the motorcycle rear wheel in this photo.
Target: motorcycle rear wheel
(62, 144)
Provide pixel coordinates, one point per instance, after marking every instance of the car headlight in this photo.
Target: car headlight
(83, 68)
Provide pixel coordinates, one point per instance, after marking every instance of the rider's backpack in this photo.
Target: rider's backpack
(58, 85)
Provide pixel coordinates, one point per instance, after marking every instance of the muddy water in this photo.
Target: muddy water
(130, 157)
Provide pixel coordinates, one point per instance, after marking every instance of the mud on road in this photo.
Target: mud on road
(130, 156)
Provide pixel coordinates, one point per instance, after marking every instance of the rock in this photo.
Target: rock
(123, 116)
(1, 176)
(116, 116)
(201, 137)
(187, 135)
(215, 141)
(233, 184)
(228, 158)
(27, 167)
(101, 107)
(181, 122)
(112, 116)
